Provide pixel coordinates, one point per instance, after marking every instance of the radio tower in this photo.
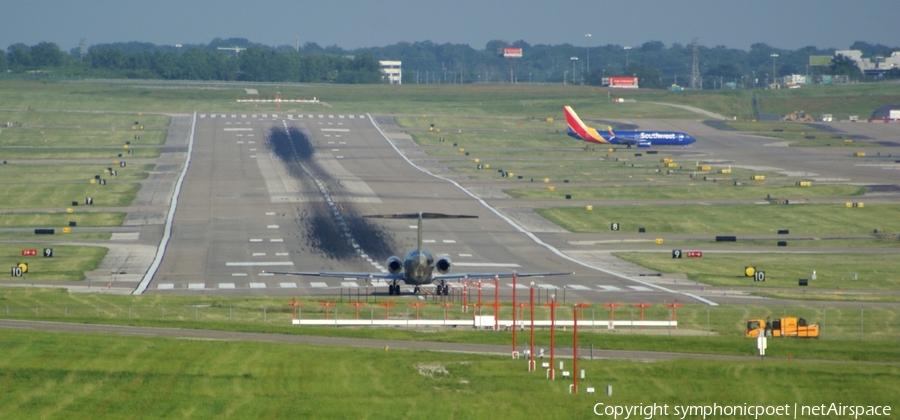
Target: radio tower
(82, 48)
(695, 67)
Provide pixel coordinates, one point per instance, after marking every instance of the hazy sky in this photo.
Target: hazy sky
(366, 23)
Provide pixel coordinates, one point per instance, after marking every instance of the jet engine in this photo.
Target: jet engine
(443, 264)
(394, 265)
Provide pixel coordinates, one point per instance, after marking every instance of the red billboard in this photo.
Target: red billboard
(623, 82)
(511, 52)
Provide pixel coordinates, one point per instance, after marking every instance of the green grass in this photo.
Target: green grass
(60, 375)
(33, 173)
(59, 220)
(61, 195)
(812, 219)
(109, 154)
(79, 120)
(72, 236)
(69, 263)
(74, 137)
(696, 192)
(724, 324)
(834, 270)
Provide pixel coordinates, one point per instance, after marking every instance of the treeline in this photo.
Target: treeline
(657, 65)
(144, 61)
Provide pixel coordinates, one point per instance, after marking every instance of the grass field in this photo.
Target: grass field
(724, 324)
(696, 192)
(61, 195)
(34, 173)
(834, 270)
(58, 375)
(65, 375)
(68, 263)
(58, 220)
(813, 219)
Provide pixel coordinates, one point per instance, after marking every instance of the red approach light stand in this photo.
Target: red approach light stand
(551, 373)
(295, 304)
(386, 305)
(326, 305)
(446, 306)
(642, 306)
(674, 306)
(575, 347)
(531, 366)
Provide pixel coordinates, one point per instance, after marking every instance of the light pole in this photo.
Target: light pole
(774, 75)
(626, 57)
(574, 59)
(588, 49)
(531, 352)
(575, 346)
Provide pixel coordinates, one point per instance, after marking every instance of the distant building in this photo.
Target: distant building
(393, 72)
(869, 66)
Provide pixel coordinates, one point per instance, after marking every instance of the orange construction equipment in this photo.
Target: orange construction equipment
(781, 327)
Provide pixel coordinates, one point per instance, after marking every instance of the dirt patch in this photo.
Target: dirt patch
(431, 369)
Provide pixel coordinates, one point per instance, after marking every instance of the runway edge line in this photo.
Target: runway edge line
(527, 233)
(167, 232)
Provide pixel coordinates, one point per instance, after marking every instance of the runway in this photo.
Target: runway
(240, 213)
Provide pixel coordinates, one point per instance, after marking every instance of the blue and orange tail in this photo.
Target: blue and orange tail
(580, 131)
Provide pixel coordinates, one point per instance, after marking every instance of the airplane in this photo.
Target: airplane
(419, 266)
(579, 130)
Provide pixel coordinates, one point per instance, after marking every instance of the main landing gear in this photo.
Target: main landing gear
(394, 289)
(442, 289)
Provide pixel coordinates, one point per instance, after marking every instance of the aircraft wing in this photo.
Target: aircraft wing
(461, 276)
(339, 274)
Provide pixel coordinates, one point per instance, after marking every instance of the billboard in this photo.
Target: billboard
(623, 82)
(820, 60)
(511, 52)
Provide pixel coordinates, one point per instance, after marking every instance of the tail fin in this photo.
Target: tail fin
(579, 130)
(419, 216)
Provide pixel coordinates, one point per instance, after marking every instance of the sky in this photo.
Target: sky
(352, 24)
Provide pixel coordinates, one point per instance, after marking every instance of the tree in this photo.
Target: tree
(47, 54)
(845, 66)
(19, 55)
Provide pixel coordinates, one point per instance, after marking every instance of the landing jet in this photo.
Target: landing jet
(419, 266)
(580, 131)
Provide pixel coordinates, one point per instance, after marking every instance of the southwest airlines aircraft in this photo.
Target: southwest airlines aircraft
(580, 131)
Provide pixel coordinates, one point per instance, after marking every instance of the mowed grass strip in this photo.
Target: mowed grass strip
(58, 173)
(75, 137)
(812, 219)
(46, 375)
(695, 192)
(95, 120)
(721, 328)
(61, 195)
(833, 270)
(68, 263)
(59, 220)
(108, 153)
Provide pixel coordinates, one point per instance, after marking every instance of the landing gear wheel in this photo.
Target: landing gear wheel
(416, 290)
